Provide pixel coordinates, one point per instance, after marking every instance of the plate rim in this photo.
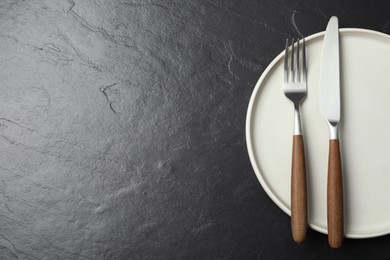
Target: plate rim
(249, 140)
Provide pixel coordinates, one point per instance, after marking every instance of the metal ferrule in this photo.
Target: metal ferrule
(333, 131)
(297, 121)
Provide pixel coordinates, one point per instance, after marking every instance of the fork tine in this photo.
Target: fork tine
(286, 62)
(292, 61)
(298, 75)
(304, 60)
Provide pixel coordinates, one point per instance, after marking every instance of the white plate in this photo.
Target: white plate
(364, 133)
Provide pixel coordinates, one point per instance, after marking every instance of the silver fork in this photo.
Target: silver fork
(295, 88)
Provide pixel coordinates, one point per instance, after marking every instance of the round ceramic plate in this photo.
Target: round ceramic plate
(364, 133)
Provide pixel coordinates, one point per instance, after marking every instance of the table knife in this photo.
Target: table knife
(330, 108)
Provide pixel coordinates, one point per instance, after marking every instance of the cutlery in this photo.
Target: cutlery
(330, 108)
(295, 88)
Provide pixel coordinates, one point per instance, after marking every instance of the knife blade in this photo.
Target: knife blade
(330, 108)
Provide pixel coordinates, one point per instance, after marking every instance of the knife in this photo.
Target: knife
(330, 108)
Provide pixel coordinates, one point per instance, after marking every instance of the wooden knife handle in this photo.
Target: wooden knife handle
(335, 196)
(298, 191)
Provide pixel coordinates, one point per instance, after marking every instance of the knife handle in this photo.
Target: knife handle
(298, 191)
(335, 196)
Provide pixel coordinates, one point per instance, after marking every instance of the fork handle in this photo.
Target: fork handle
(298, 191)
(335, 196)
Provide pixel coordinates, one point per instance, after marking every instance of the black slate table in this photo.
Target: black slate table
(122, 128)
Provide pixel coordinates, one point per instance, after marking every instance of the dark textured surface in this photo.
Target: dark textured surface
(122, 128)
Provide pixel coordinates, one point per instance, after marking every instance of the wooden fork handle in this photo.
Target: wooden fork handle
(335, 196)
(298, 191)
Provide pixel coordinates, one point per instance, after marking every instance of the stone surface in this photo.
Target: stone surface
(122, 128)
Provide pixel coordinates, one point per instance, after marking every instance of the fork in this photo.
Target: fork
(295, 88)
